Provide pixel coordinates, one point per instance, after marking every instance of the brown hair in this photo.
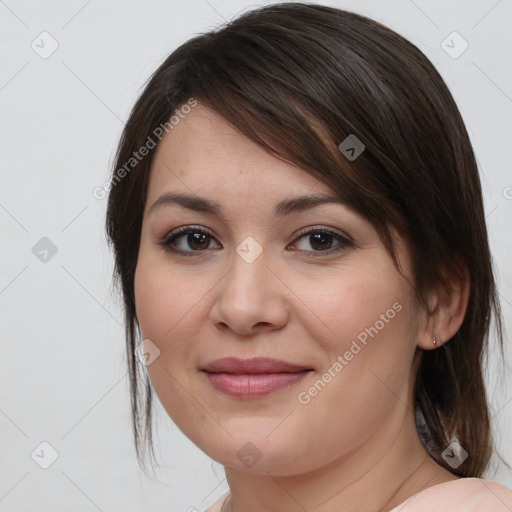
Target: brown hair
(298, 79)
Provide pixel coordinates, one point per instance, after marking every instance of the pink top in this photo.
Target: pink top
(462, 495)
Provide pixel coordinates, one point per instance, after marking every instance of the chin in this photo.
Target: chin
(259, 453)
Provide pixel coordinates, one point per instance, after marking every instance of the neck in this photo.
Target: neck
(382, 472)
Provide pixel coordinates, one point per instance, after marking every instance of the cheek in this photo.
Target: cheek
(167, 302)
(365, 379)
(366, 327)
(167, 306)
(358, 305)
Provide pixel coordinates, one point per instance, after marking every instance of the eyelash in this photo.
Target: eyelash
(343, 242)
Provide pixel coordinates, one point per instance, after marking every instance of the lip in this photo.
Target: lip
(252, 378)
(253, 365)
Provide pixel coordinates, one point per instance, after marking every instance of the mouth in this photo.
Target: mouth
(252, 378)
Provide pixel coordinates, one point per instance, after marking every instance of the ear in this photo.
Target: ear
(448, 302)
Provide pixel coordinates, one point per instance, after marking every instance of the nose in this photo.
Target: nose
(251, 298)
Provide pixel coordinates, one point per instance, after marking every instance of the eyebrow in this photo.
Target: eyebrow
(283, 208)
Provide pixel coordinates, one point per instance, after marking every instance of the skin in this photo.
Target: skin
(356, 441)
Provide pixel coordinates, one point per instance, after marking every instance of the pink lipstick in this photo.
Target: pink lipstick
(252, 378)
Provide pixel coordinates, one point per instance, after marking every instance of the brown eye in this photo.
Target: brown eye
(188, 240)
(192, 241)
(197, 241)
(321, 241)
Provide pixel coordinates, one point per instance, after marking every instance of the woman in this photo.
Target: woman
(299, 234)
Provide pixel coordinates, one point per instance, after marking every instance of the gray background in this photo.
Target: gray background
(62, 370)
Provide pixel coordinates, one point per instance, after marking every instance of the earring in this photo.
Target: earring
(435, 341)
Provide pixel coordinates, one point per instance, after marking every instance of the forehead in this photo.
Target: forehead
(205, 156)
(205, 152)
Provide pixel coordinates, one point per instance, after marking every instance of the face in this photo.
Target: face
(226, 273)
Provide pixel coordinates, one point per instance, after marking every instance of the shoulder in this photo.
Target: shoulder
(216, 507)
(462, 495)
